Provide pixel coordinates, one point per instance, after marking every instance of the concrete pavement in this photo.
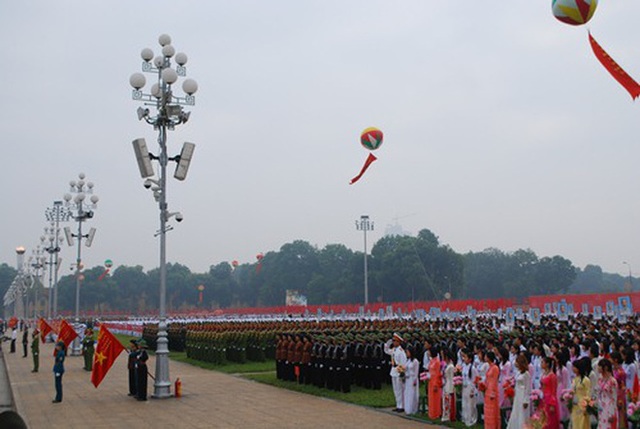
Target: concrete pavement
(210, 400)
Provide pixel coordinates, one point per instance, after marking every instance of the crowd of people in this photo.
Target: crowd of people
(477, 370)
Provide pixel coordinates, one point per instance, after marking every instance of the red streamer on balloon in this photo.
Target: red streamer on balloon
(366, 165)
(614, 69)
(103, 275)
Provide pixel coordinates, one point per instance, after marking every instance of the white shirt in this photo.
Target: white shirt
(398, 357)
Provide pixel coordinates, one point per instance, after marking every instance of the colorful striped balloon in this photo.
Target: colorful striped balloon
(371, 138)
(574, 12)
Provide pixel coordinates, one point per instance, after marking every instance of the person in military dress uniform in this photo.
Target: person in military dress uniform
(131, 366)
(141, 371)
(35, 350)
(88, 348)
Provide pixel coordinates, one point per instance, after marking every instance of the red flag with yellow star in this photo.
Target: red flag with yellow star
(45, 328)
(66, 334)
(109, 348)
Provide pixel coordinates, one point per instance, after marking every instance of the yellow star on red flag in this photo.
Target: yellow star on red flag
(108, 349)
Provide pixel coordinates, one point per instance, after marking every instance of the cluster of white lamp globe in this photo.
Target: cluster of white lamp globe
(166, 73)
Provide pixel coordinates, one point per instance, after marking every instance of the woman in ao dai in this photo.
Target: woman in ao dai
(506, 373)
(607, 396)
(435, 385)
(521, 411)
(581, 387)
(411, 385)
(549, 385)
(448, 391)
(469, 412)
(491, 406)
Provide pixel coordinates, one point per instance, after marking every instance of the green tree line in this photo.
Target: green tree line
(400, 267)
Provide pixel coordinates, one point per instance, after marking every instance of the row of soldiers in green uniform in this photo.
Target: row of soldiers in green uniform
(176, 334)
(239, 347)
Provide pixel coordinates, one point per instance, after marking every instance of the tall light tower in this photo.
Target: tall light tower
(19, 309)
(630, 288)
(168, 113)
(37, 263)
(364, 225)
(55, 214)
(80, 211)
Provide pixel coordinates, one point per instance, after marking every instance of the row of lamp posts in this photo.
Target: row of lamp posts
(79, 204)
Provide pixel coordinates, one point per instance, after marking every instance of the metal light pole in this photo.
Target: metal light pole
(630, 282)
(168, 113)
(19, 306)
(365, 225)
(80, 211)
(55, 214)
(37, 263)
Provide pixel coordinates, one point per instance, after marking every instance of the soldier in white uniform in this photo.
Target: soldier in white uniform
(398, 359)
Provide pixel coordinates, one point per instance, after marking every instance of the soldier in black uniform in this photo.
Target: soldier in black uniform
(25, 340)
(141, 371)
(328, 358)
(358, 361)
(347, 359)
(131, 366)
(377, 363)
(368, 364)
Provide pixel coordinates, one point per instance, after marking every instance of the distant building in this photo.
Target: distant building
(395, 229)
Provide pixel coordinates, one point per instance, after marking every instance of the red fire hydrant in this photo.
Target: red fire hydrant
(178, 388)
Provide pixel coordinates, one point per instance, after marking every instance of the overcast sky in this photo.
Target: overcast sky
(501, 128)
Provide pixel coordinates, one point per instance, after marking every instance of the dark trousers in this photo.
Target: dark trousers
(346, 379)
(58, 383)
(13, 346)
(141, 381)
(132, 381)
(24, 349)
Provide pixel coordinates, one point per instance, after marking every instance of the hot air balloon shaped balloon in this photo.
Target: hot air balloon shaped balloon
(259, 257)
(107, 265)
(574, 12)
(371, 139)
(200, 293)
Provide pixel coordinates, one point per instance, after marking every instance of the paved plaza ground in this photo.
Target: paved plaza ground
(210, 400)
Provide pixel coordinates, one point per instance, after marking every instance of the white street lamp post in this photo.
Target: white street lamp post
(364, 225)
(80, 211)
(37, 262)
(55, 214)
(168, 113)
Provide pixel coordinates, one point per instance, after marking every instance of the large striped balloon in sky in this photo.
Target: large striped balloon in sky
(574, 12)
(371, 138)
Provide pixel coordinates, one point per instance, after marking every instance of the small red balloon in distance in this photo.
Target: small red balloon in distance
(259, 256)
(235, 263)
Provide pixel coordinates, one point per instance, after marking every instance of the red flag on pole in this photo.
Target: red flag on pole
(636, 389)
(44, 328)
(109, 348)
(366, 165)
(614, 69)
(66, 335)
